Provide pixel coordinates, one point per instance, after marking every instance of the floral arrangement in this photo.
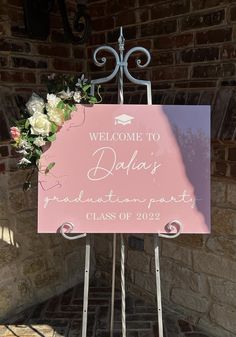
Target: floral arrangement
(42, 118)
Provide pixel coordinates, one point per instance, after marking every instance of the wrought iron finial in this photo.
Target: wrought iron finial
(121, 40)
(121, 67)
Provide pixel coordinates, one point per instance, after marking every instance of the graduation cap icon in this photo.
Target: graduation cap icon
(123, 119)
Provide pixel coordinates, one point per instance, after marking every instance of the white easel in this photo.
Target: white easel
(174, 226)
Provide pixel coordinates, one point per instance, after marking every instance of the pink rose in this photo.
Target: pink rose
(15, 133)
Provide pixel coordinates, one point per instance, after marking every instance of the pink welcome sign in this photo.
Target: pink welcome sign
(128, 169)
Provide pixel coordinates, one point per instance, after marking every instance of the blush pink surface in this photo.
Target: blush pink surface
(183, 152)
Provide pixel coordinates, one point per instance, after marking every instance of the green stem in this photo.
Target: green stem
(99, 95)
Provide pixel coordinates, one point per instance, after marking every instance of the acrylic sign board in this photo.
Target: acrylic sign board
(128, 169)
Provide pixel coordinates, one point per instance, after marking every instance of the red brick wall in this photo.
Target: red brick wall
(192, 43)
(24, 62)
(193, 51)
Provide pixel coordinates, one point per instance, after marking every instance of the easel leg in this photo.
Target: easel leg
(158, 285)
(113, 285)
(86, 286)
(122, 263)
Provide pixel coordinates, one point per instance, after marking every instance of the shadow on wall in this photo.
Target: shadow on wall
(58, 316)
(33, 267)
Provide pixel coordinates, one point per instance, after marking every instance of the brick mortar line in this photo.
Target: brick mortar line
(191, 11)
(34, 55)
(137, 25)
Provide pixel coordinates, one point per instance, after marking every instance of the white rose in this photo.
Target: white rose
(53, 100)
(39, 141)
(40, 125)
(56, 115)
(35, 104)
(77, 96)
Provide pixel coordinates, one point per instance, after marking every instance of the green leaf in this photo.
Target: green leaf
(27, 123)
(53, 127)
(31, 139)
(67, 114)
(61, 105)
(38, 152)
(68, 110)
(92, 100)
(71, 107)
(49, 167)
(51, 138)
(86, 87)
(21, 123)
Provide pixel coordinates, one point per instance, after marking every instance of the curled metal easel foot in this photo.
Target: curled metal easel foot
(67, 228)
(174, 228)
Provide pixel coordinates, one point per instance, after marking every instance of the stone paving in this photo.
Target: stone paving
(61, 317)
